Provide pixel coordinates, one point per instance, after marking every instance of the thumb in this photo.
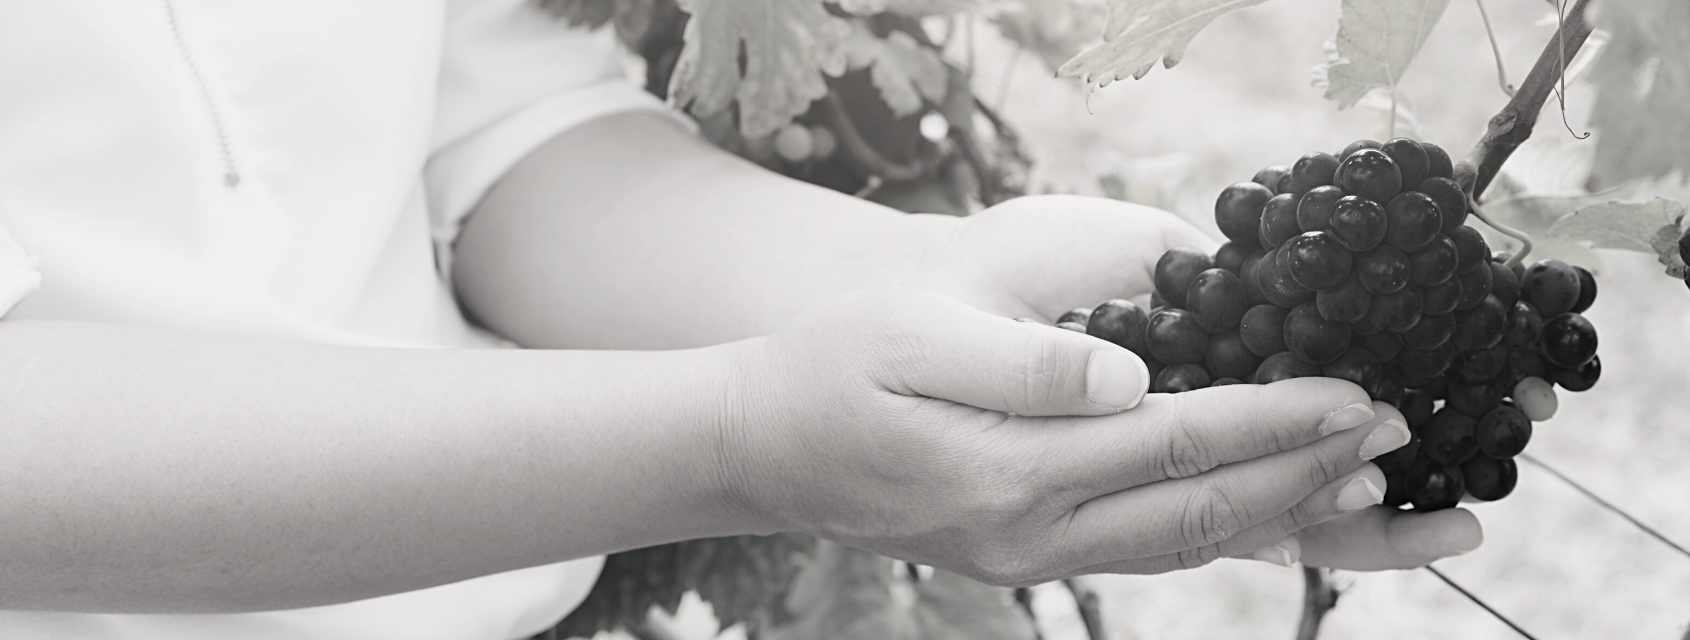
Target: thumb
(974, 358)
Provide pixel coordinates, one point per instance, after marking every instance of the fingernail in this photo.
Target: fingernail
(1359, 493)
(1116, 378)
(1346, 418)
(1386, 437)
(1279, 554)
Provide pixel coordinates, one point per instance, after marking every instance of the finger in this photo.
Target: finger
(1183, 435)
(947, 350)
(1382, 538)
(1193, 516)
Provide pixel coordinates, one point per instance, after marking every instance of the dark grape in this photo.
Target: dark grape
(1470, 248)
(1580, 379)
(1396, 489)
(1417, 408)
(1371, 174)
(1228, 357)
(1231, 256)
(1238, 212)
(1358, 223)
(1345, 303)
(1314, 339)
(1072, 326)
(1410, 158)
(1269, 176)
(1400, 459)
(1176, 269)
(1438, 164)
(1156, 301)
(1283, 366)
(1480, 327)
(1121, 322)
(1356, 365)
(1263, 329)
(1318, 261)
(1388, 391)
(1279, 221)
(1430, 332)
(1225, 381)
(1484, 365)
(1528, 362)
(1435, 487)
(1452, 202)
(1524, 325)
(1284, 185)
(1381, 344)
(1488, 479)
(1358, 146)
(1441, 298)
(1155, 368)
(1396, 312)
(1435, 263)
(1365, 326)
(1552, 286)
(1475, 286)
(1313, 170)
(1473, 400)
(1413, 220)
(1217, 300)
(1504, 284)
(1383, 270)
(1180, 378)
(1587, 287)
(1449, 437)
(1425, 363)
(1080, 315)
(1503, 433)
(1569, 340)
(1315, 208)
(1175, 337)
(1278, 285)
(1253, 278)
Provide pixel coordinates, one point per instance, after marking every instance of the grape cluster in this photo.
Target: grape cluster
(1358, 266)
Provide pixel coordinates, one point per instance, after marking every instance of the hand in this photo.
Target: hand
(915, 426)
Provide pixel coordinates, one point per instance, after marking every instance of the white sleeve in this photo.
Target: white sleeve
(511, 78)
(18, 277)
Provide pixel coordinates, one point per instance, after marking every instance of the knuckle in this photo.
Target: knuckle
(1326, 464)
(1036, 378)
(1188, 452)
(1210, 516)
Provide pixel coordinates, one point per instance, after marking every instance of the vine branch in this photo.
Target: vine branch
(1319, 596)
(1513, 125)
(1085, 599)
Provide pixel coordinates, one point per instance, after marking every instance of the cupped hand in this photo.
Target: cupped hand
(919, 427)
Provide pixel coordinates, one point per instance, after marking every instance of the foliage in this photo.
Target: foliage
(1376, 41)
(905, 72)
(1644, 79)
(1650, 227)
(1140, 32)
(785, 47)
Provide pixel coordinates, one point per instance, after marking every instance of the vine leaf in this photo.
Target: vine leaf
(1643, 84)
(787, 46)
(1649, 227)
(1376, 41)
(1140, 32)
(1534, 214)
(1056, 30)
(632, 17)
(911, 8)
(904, 71)
(847, 594)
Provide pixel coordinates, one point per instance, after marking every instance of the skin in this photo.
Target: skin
(827, 366)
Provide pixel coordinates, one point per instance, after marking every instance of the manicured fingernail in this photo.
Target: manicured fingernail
(1280, 553)
(1116, 378)
(1359, 493)
(1386, 437)
(1346, 418)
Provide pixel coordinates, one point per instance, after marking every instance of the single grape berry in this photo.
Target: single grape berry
(1080, 315)
(1449, 437)
(1400, 459)
(1504, 284)
(1470, 248)
(1413, 220)
(1482, 366)
(1425, 364)
(1435, 487)
(1312, 170)
(1410, 158)
(1536, 398)
(1277, 284)
(1072, 326)
(1370, 174)
(1228, 357)
(1569, 340)
(1587, 288)
(1383, 270)
(1346, 303)
(1552, 286)
(1283, 366)
(1417, 408)
(1315, 208)
(1318, 261)
(1176, 269)
(1314, 339)
(1473, 400)
(1475, 286)
(1480, 327)
(1121, 322)
(1381, 344)
(1439, 299)
(1284, 185)
(1238, 212)
(1488, 479)
(1356, 365)
(1279, 221)
(1434, 263)
(1503, 433)
(1438, 164)
(1396, 312)
(1430, 332)
(1263, 329)
(1580, 379)
(1358, 146)
(1524, 325)
(1452, 201)
(795, 143)
(1269, 176)
(1358, 223)
(1180, 378)
(1174, 337)
(1231, 256)
(1217, 300)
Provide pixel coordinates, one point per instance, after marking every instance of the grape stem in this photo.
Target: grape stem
(1496, 52)
(1319, 597)
(1085, 599)
(1513, 125)
(1524, 238)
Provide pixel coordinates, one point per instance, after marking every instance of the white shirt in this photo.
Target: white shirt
(283, 170)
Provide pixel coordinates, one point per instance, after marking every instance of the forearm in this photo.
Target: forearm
(155, 472)
(628, 232)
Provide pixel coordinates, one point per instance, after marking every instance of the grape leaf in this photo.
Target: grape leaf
(1650, 227)
(1377, 39)
(786, 46)
(1140, 32)
(904, 71)
(1643, 84)
(847, 594)
(632, 17)
(911, 8)
(1056, 30)
(1534, 214)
